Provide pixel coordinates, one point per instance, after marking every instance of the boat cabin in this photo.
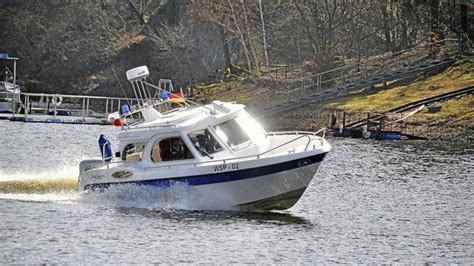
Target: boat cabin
(194, 135)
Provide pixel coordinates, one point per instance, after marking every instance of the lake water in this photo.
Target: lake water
(371, 202)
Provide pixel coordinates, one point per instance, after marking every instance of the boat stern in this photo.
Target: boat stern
(84, 167)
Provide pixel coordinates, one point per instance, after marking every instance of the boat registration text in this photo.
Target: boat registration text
(224, 167)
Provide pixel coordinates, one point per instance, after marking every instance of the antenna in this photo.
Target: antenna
(120, 84)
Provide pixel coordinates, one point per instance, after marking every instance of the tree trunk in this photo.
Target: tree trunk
(404, 14)
(463, 15)
(137, 13)
(386, 27)
(225, 47)
(241, 37)
(249, 39)
(264, 38)
(434, 5)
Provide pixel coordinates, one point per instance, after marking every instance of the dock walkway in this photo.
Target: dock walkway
(67, 109)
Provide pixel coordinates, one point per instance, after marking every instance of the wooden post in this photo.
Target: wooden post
(29, 103)
(46, 111)
(332, 120)
(343, 121)
(83, 109)
(13, 103)
(25, 106)
(368, 121)
(381, 123)
(384, 72)
(87, 107)
(54, 105)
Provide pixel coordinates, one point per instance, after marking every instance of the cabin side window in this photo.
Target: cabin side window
(170, 149)
(231, 133)
(133, 152)
(205, 142)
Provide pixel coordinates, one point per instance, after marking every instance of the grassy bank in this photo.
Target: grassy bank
(456, 115)
(457, 76)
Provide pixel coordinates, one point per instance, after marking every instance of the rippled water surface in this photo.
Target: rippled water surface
(370, 202)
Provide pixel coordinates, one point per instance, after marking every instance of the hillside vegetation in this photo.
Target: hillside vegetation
(75, 46)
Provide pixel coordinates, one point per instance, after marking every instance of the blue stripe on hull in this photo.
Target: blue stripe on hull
(220, 177)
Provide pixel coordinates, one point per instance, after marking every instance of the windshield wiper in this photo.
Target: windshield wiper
(205, 152)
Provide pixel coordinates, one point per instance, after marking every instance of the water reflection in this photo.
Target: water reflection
(282, 218)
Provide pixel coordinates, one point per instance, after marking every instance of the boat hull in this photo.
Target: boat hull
(278, 191)
(266, 187)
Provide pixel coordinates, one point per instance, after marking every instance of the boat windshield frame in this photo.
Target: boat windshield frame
(238, 146)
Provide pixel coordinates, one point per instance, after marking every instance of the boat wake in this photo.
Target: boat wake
(57, 186)
(60, 186)
(40, 182)
(177, 196)
(57, 197)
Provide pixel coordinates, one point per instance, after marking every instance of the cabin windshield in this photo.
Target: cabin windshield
(231, 133)
(205, 142)
(252, 128)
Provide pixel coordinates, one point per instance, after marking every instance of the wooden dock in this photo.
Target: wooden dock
(394, 124)
(65, 109)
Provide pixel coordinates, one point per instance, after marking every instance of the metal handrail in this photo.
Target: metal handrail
(286, 143)
(75, 96)
(307, 134)
(275, 133)
(383, 57)
(149, 127)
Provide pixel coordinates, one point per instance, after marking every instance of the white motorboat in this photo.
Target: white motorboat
(217, 150)
(9, 97)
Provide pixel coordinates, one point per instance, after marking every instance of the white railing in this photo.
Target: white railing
(82, 105)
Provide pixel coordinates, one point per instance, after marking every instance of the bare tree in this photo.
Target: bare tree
(264, 35)
(175, 41)
(232, 18)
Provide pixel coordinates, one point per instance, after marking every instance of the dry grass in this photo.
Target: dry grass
(455, 112)
(241, 90)
(127, 41)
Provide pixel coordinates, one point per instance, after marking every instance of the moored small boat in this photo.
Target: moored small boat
(9, 97)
